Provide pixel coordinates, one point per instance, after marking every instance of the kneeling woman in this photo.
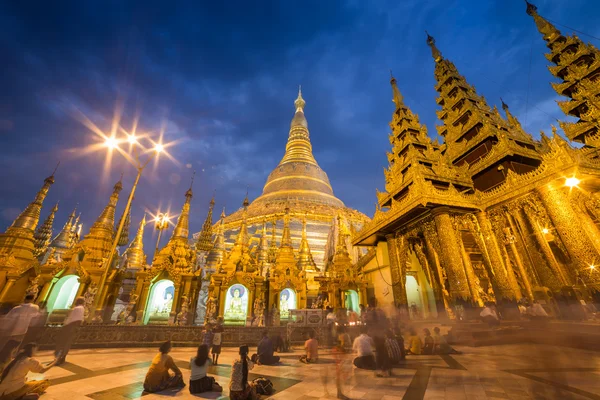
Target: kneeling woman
(239, 388)
(199, 381)
(14, 377)
(158, 377)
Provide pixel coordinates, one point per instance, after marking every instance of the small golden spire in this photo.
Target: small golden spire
(104, 225)
(204, 242)
(397, 96)
(263, 246)
(273, 242)
(43, 234)
(305, 258)
(124, 237)
(63, 239)
(217, 253)
(182, 227)
(30, 217)
(544, 27)
(437, 55)
(135, 253)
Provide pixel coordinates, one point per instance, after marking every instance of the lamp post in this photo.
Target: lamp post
(112, 143)
(161, 222)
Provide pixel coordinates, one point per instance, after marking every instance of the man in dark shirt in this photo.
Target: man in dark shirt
(265, 351)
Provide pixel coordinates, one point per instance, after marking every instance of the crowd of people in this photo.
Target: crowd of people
(380, 346)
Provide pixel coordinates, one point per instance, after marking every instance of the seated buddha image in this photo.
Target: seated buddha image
(236, 308)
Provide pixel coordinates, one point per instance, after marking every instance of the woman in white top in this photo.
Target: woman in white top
(199, 381)
(14, 383)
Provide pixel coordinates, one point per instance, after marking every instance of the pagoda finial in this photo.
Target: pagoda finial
(104, 225)
(217, 252)
(504, 105)
(246, 202)
(189, 194)
(64, 238)
(397, 96)
(544, 27)
(437, 55)
(299, 103)
(43, 235)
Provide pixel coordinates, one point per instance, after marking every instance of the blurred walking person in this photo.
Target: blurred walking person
(18, 319)
(69, 330)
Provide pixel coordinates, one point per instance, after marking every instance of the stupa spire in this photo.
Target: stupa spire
(30, 217)
(63, 239)
(305, 258)
(285, 255)
(435, 52)
(124, 238)
(43, 235)
(204, 242)
(544, 27)
(263, 246)
(397, 99)
(76, 230)
(104, 225)
(273, 242)
(217, 252)
(182, 227)
(136, 259)
(299, 148)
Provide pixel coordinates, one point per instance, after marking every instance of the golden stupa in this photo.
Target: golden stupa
(297, 183)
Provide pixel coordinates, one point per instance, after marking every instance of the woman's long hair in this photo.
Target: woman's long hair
(7, 350)
(244, 359)
(26, 352)
(201, 355)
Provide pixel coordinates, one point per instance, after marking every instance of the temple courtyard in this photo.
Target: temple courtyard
(523, 371)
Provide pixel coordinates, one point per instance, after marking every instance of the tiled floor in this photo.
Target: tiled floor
(501, 372)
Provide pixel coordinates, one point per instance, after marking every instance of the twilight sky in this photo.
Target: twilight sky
(221, 78)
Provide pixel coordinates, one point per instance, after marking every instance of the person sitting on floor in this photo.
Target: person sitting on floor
(440, 344)
(414, 345)
(199, 381)
(14, 384)
(239, 387)
(393, 349)
(428, 342)
(363, 346)
(158, 377)
(312, 349)
(489, 315)
(265, 351)
(7, 353)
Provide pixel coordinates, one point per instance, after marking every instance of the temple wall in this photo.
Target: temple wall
(379, 277)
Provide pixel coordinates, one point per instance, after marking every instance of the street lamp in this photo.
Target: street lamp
(161, 222)
(112, 143)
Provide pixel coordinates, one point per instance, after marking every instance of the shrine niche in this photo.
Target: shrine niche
(236, 305)
(287, 302)
(160, 302)
(64, 293)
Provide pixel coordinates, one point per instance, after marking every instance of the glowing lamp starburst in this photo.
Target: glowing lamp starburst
(159, 148)
(572, 182)
(111, 143)
(132, 139)
(545, 231)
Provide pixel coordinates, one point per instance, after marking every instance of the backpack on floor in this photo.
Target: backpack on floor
(263, 386)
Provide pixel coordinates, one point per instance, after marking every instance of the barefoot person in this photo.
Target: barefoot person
(312, 349)
(363, 346)
(158, 377)
(14, 384)
(239, 388)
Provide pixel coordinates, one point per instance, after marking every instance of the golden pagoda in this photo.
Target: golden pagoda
(299, 184)
(18, 262)
(489, 215)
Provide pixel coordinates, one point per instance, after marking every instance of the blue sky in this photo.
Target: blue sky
(221, 79)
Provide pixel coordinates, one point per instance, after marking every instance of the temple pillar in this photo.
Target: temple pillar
(397, 252)
(143, 300)
(176, 300)
(9, 284)
(510, 237)
(503, 289)
(558, 273)
(442, 297)
(470, 273)
(588, 225)
(45, 290)
(451, 256)
(580, 247)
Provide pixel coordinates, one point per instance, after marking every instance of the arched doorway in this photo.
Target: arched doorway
(160, 301)
(287, 302)
(351, 301)
(236, 305)
(63, 294)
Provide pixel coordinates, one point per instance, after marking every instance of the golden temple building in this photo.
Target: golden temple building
(491, 214)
